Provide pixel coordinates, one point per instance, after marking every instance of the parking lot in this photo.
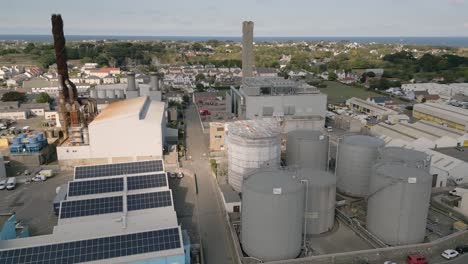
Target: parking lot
(32, 203)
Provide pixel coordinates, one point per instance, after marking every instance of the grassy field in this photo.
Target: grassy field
(338, 92)
(18, 59)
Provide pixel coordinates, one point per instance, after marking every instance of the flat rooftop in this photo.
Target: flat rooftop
(455, 153)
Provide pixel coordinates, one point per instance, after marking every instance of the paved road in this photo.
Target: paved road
(463, 259)
(217, 245)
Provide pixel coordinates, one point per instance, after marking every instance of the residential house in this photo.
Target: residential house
(109, 79)
(93, 80)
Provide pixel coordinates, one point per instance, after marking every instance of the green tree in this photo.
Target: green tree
(43, 98)
(186, 98)
(200, 87)
(29, 48)
(332, 76)
(13, 96)
(200, 77)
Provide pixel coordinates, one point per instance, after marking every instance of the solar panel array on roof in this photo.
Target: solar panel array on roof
(146, 181)
(79, 208)
(143, 201)
(118, 169)
(77, 188)
(95, 249)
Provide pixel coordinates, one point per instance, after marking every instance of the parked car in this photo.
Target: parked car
(416, 259)
(38, 178)
(449, 254)
(3, 184)
(11, 183)
(329, 129)
(462, 249)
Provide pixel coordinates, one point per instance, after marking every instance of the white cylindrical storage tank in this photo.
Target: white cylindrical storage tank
(355, 158)
(119, 93)
(101, 93)
(110, 93)
(307, 149)
(93, 93)
(251, 144)
(398, 204)
(321, 199)
(272, 215)
(405, 157)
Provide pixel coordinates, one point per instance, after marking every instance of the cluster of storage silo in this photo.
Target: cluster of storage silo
(106, 93)
(395, 182)
(281, 206)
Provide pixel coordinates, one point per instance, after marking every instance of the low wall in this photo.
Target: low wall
(379, 255)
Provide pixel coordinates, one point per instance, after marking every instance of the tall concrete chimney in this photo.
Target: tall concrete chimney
(131, 84)
(247, 49)
(154, 81)
(132, 90)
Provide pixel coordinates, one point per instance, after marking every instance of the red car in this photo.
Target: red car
(416, 259)
(204, 112)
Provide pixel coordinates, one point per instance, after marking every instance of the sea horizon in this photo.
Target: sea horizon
(451, 41)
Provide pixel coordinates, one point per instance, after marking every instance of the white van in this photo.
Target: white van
(11, 183)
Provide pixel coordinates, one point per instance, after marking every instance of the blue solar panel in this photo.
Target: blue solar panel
(118, 169)
(146, 181)
(79, 208)
(77, 188)
(148, 200)
(95, 249)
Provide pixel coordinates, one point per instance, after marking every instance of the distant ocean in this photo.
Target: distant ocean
(431, 41)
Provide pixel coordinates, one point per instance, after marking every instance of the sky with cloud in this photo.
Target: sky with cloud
(224, 18)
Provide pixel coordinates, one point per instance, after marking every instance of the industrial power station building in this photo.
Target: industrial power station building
(297, 105)
(129, 130)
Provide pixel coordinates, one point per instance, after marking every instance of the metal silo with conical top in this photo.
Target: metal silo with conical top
(398, 203)
(355, 157)
(272, 215)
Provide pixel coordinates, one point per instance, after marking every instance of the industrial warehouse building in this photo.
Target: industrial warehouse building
(297, 105)
(113, 213)
(133, 129)
(447, 115)
(432, 139)
(369, 108)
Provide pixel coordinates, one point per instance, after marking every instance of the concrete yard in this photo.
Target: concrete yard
(32, 203)
(340, 239)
